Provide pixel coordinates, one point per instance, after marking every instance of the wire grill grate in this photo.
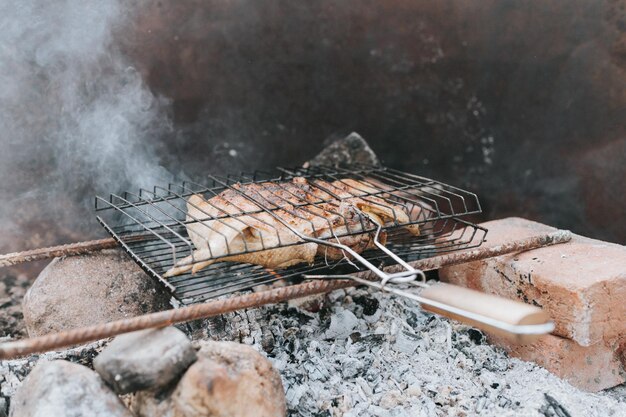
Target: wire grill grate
(152, 225)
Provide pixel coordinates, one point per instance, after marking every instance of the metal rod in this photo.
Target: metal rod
(166, 318)
(213, 308)
(71, 249)
(521, 245)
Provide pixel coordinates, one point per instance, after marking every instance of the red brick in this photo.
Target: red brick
(581, 284)
(591, 368)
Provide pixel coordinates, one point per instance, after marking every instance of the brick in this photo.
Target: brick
(581, 284)
(591, 368)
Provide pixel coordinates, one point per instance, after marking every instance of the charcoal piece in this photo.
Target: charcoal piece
(372, 340)
(267, 340)
(476, 336)
(370, 305)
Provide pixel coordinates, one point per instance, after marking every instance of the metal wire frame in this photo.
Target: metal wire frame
(152, 226)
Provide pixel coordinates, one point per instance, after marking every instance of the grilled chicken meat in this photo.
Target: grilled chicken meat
(235, 221)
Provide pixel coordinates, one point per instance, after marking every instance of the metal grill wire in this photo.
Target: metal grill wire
(151, 225)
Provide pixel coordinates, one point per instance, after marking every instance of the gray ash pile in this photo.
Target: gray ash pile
(366, 353)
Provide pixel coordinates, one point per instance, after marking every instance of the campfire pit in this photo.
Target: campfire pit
(523, 104)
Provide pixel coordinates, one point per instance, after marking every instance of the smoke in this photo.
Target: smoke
(75, 118)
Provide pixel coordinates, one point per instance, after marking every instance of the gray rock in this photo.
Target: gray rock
(147, 359)
(61, 388)
(91, 289)
(229, 380)
(347, 151)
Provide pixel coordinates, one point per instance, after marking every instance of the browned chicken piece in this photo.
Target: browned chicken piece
(267, 223)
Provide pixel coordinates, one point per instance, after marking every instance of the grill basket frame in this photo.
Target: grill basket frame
(150, 225)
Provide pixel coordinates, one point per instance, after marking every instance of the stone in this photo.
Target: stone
(352, 149)
(147, 359)
(229, 380)
(152, 404)
(581, 284)
(91, 289)
(62, 388)
(592, 368)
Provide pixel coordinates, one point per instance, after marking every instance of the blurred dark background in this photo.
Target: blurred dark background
(523, 102)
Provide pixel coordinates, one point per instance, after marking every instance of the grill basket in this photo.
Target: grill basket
(151, 225)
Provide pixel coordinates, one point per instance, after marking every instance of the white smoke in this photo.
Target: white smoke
(75, 118)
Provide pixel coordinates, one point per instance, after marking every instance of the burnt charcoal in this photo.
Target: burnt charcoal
(298, 315)
(370, 305)
(416, 319)
(83, 357)
(12, 290)
(553, 408)
(476, 336)
(325, 413)
(355, 337)
(267, 341)
(216, 326)
(372, 340)
(291, 340)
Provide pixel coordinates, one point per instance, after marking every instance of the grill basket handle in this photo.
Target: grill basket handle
(515, 313)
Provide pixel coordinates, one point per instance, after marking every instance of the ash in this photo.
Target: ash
(372, 354)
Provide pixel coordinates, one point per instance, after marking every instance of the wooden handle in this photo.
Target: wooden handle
(491, 306)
